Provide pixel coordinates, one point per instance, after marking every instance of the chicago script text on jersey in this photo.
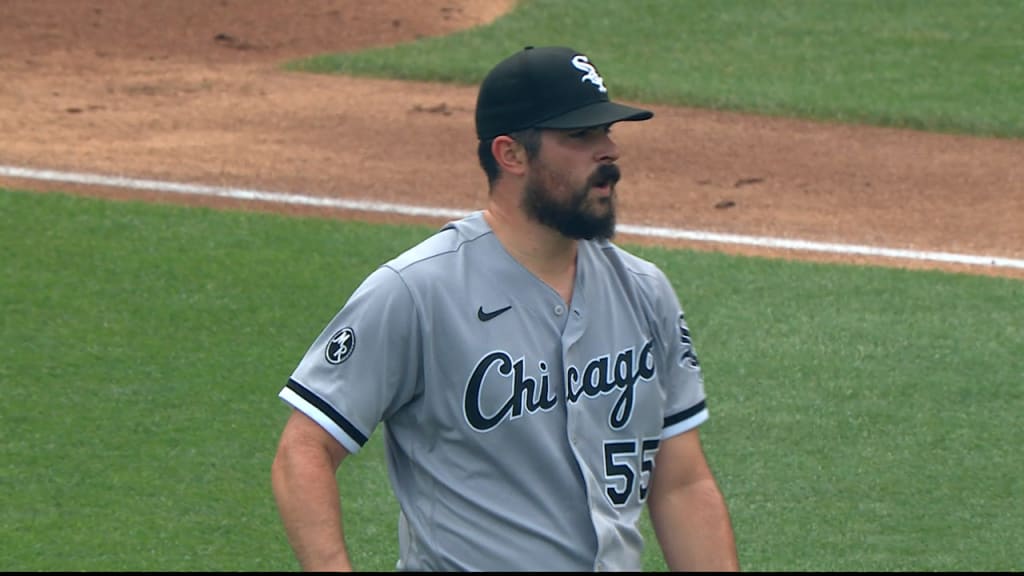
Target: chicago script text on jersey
(528, 395)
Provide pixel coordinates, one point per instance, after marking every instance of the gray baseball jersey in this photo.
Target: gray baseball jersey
(520, 432)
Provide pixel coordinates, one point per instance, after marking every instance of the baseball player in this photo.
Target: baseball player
(537, 385)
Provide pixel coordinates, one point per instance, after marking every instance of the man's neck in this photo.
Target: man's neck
(545, 252)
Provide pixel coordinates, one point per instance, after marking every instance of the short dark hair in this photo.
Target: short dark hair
(530, 140)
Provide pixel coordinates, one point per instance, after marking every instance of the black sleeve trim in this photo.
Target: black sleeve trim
(685, 414)
(328, 411)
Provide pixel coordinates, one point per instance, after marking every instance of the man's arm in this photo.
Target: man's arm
(688, 511)
(306, 490)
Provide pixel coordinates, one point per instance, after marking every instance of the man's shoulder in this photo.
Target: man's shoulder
(436, 250)
(629, 262)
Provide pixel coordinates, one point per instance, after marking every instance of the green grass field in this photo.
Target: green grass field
(863, 419)
(942, 65)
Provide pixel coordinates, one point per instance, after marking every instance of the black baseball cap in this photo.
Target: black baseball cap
(546, 87)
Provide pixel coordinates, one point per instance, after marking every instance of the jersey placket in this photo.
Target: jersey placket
(577, 431)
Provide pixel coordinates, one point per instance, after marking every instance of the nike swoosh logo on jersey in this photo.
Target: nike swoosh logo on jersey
(485, 316)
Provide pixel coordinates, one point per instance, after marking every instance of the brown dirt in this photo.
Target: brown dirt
(190, 91)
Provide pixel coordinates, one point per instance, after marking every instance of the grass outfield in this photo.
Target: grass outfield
(863, 419)
(942, 65)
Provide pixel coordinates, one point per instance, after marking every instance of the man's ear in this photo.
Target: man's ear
(509, 154)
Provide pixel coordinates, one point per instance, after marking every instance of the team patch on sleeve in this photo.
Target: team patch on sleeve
(340, 346)
(689, 357)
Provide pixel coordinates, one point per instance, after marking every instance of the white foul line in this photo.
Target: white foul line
(404, 209)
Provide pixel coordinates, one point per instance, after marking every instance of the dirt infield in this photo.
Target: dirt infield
(188, 91)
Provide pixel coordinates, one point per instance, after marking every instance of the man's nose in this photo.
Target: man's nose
(608, 151)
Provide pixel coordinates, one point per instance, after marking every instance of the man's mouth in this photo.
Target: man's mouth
(605, 177)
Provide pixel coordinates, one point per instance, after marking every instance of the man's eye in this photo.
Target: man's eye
(588, 132)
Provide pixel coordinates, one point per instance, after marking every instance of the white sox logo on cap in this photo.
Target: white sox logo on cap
(547, 87)
(582, 63)
(340, 346)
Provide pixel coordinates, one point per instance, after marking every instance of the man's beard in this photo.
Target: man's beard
(573, 217)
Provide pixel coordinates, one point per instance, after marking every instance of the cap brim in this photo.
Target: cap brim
(597, 114)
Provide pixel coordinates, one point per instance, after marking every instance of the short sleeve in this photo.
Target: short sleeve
(364, 364)
(682, 379)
